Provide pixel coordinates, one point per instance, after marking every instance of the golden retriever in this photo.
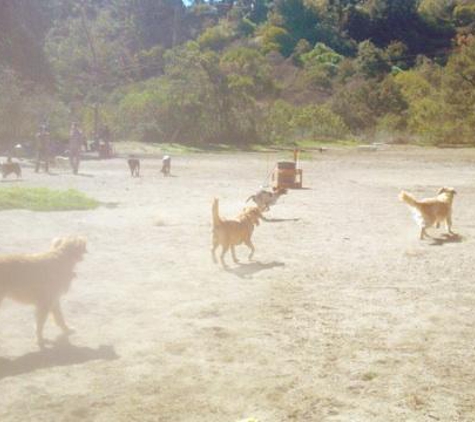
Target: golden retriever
(41, 279)
(430, 211)
(230, 233)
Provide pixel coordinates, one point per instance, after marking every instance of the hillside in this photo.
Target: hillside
(239, 71)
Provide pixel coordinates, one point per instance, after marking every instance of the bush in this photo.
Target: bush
(278, 39)
(216, 37)
(464, 15)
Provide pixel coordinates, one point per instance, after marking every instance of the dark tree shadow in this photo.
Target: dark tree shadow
(247, 270)
(62, 353)
(446, 238)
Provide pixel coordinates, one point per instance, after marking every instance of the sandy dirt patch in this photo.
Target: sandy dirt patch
(344, 316)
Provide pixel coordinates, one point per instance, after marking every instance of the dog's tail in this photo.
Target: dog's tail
(215, 211)
(251, 197)
(408, 199)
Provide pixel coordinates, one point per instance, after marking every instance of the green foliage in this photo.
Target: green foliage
(464, 14)
(216, 37)
(362, 103)
(248, 63)
(288, 124)
(23, 108)
(275, 38)
(44, 199)
(371, 61)
(212, 72)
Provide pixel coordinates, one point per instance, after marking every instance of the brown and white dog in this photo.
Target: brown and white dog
(41, 279)
(230, 233)
(264, 199)
(430, 211)
(9, 167)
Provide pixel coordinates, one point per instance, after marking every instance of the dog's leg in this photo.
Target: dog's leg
(448, 224)
(213, 251)
(251, 247)
(59, 318)
(424, 233)
(233, 252)
(41, 315)
(223, 252)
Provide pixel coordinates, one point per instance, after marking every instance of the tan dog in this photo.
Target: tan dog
(430, 211)
(230, 233)
(41, 279)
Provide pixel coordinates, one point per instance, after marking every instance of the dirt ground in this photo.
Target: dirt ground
(344, 316)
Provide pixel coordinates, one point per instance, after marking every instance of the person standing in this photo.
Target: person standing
(76, 140)
(43, 146)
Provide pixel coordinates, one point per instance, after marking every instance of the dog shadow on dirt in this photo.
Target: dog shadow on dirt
(280, 220)
(446, 238)
(62, 353)
(247, 270)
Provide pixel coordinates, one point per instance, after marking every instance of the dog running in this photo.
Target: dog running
(265, 199)
(431, 211)
(41, 279)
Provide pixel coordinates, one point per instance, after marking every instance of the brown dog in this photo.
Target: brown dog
(134, 166)
(230, 233)
(430, 211)
(9, 167)
(41, 279)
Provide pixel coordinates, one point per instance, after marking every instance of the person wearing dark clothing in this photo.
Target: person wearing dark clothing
(76, 140)
(43, 146)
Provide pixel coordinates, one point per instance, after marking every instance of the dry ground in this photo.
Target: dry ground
(345, 315)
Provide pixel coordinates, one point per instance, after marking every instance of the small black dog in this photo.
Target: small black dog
(9, 168)
(134, 166)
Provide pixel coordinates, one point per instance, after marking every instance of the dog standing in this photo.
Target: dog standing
(41, 279)
(166, 165)
(134, 166)
(10, 167)
(230, 233)
(430, 211)
(264, 199)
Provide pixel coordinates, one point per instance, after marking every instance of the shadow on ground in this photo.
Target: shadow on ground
(63, 353)
(279, 220)
(247, 270)
(446, 238)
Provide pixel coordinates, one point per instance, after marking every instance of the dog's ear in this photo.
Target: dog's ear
(441, 190)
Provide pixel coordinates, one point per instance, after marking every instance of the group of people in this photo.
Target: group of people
(77, 141)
